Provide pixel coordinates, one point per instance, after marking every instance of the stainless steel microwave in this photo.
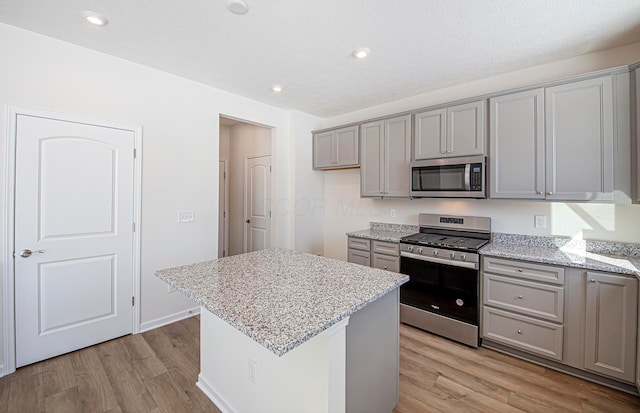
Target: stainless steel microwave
(462, 177)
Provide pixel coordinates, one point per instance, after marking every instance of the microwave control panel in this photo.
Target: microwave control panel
(476, 177)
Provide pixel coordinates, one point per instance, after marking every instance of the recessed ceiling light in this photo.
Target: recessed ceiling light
(237, 6)
(276, 88)
(361, 52)
(95, 18)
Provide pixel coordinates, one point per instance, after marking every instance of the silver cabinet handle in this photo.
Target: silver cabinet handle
(519, 331)
(549, 193)
(539, 192)
(248, 221)
(27, 253)
(519, 270)
(592, 280)
(520, 296)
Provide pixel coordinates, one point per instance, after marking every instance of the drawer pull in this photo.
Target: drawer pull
(519, 270)
(593, 280)
(385, 268)
(519, 296)
(519, 331)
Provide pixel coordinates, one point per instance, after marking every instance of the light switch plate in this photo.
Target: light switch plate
(186, 216)
(540, 221)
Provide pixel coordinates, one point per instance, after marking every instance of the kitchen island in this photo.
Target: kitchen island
(284, 331)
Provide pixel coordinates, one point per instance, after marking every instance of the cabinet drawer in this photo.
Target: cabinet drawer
(525, 297)
(359, 257)
(386, 262)
(522, 269)
(359, 244)
(389, 248)
(534, 336)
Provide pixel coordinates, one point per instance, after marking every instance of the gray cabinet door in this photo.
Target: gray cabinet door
(372, 162)
(385, 262)
(323, 150)
(397, 156)
(430, 135)
(346, 146)
(579, 140)
(637, 155)
(610, 325)
(466, 129)
(359, 257)
(516, 142)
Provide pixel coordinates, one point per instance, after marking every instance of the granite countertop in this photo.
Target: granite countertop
(380, 231)
(619, 258)
(278, 297)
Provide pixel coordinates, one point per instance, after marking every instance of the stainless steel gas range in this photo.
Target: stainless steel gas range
(442, 261)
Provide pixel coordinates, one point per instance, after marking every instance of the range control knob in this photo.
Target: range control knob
(463, 257)
(435, 252)
(452, 255)
(410, 248)
(419, 250)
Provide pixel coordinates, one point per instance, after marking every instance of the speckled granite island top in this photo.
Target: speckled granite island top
(278, 297)
(614, 257)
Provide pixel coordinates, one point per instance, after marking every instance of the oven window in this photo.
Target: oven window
(443, 289)
(438, 178)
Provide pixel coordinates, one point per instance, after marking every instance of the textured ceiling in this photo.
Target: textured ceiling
(305, 45)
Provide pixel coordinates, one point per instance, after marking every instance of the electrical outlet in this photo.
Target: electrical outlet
(253, 371)
(186, 216)
(540, 221)
(392, 213)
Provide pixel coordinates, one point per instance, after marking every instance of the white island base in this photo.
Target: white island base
(350, 367)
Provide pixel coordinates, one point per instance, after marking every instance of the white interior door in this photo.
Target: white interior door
(223, 214)
(257, 203)
(74, 206)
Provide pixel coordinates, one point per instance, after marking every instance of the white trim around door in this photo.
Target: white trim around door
(8, 310)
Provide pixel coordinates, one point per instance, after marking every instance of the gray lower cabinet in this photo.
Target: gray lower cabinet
(358, 251)
(581, 319)
(521, 311)
(564, 142)
(636, 158)
(336, 148)
(386, 153)
(610, 329)
(373, 253)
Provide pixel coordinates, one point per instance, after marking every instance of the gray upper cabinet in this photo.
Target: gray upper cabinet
(336, 148)
(386, 153)
(610, 325)
(430, 135)
(579, 140)
(558, 143)
(516, 142)
(453, 131)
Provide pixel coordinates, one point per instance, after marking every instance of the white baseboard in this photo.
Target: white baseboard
(2, 372)
(171, 318)
(210, 392)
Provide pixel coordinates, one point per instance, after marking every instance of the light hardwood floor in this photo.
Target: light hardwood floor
(156, 372)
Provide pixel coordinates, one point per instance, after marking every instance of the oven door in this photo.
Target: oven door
(444, 289)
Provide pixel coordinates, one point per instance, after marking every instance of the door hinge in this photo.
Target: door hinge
(224, 253)
(133, 301)
(135, 152)
(269, 214)
(224, 175)
(224, 214)
(134, 227)
(269, 168)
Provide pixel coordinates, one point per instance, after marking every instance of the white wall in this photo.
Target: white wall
(245, 140)
(345, 211)
(308, 206)
(180, 121)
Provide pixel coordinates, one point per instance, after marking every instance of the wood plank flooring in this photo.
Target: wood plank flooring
(156, 372)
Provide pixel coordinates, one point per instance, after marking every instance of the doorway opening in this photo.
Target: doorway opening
(244, 221)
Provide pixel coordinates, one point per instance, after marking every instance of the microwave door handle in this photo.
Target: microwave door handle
(467, 177)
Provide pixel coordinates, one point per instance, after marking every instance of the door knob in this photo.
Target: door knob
(27, 253)
(248, 221)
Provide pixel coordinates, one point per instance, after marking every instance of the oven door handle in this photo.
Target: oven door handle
(437, 260)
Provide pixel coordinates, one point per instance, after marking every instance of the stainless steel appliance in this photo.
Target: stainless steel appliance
(462, 177)
(442, 262)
